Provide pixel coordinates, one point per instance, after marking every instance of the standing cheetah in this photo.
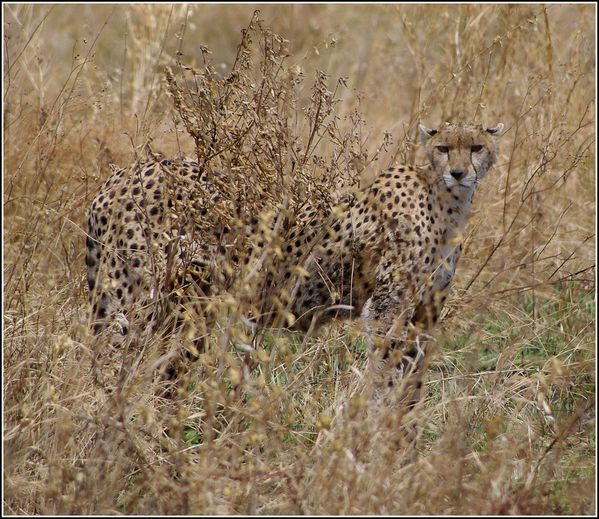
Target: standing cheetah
(388, 252)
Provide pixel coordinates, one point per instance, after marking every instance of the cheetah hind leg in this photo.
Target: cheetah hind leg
(184, 313)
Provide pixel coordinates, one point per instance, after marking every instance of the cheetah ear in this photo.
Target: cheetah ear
(497, 131)
(426, 133)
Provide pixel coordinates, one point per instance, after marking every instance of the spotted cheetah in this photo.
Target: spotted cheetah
(387, 253)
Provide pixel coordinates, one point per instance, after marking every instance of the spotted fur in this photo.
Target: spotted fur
(388, 251)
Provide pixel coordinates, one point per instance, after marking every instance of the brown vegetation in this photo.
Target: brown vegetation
(275, 423)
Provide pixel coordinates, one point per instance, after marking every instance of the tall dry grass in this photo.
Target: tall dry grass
(508, 421)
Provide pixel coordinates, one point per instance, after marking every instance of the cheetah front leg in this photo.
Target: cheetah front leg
(399, 347)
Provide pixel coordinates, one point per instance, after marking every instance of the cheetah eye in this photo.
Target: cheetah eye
(443, 149)
(476, 148)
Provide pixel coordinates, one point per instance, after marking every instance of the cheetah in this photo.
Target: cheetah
(386, 253)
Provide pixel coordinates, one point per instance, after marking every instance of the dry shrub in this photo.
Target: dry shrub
(269, 156)
(278, 422)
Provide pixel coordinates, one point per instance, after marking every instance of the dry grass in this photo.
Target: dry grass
(508, 422)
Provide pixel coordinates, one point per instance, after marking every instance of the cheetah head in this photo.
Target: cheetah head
(461, 154)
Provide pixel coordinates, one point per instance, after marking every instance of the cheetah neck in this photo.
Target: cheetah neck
(455, 203)
(455, 206)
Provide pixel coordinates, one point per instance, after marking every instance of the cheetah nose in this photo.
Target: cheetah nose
(457, 173)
